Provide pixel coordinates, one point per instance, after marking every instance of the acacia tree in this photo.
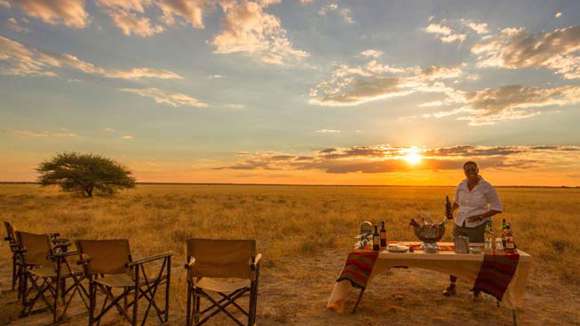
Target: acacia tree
(85, 173)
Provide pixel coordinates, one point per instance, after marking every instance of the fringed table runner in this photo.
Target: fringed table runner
(358, 268)
(496, 273)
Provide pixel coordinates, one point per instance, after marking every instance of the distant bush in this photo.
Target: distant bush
(85, 174)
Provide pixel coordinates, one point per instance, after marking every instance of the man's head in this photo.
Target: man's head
(471, 170)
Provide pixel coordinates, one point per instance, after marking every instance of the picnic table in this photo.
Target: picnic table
(464, 266)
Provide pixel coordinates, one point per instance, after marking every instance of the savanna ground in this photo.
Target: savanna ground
(305, 234)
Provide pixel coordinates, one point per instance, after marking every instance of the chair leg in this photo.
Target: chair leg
(136, 302)
(188, 309)
(196, 299)
(92, 302)
(14, 275)
(167, 288)
(253, 303)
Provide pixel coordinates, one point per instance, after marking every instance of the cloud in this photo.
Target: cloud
(387, 159)
(514, 48)
(20, 60)
(44, 134)
(444, 33)
(167, 98)
(345, 13)
(250, 30)
(371, 53)
(479, 28)
(190, 11)
(489, 106)
(450, 31)
(71, 13)
(355, 85)
(512, 102)
(13, 25)
(131, 24)
(328, 131)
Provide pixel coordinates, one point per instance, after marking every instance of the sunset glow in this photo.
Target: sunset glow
(413, 156)
(289, 91)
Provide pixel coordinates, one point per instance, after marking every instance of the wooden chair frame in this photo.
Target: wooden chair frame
(50, 289)
(196, 316)
(142, 287)
(10, 238)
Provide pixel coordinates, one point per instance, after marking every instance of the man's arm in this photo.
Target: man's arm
(477, 218)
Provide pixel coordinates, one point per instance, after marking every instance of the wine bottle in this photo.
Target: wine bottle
(503, 233)
(383, 235)
(448, 209)
(376, 240)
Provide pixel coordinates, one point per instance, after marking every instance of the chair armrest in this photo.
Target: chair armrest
(150, 259)
(257, 260)
(84, 259)
(190, 263)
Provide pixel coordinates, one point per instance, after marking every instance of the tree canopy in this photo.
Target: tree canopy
(85, 174)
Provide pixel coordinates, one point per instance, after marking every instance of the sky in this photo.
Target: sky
(294, 91)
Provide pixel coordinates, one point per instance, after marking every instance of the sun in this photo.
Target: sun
(412, 155)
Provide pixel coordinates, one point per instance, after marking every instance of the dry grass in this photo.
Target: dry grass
(305, 233)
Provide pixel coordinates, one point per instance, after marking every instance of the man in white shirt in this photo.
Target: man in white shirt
(477, 202)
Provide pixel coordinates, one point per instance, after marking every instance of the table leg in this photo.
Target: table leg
(362, 291)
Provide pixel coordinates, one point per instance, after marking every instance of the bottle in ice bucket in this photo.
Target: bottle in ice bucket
(510, 245)
(489, 238)
(503, 233)
(383, 235)
(448, 209)
(376, 240)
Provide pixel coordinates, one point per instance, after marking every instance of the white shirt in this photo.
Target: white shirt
(479, 200)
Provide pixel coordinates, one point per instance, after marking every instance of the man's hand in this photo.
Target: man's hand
(475, 218)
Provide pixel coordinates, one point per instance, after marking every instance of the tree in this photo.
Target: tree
(85, 173)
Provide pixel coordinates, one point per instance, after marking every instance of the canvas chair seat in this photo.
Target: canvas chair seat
(222, 285)
(122, 281)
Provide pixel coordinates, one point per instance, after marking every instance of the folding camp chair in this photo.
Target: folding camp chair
(221, 271)
(109, 268)
(16, 262)
(47, 268)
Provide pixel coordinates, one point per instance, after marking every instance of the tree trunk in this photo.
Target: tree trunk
(89, 191)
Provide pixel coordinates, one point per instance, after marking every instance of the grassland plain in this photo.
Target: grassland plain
(305, 233)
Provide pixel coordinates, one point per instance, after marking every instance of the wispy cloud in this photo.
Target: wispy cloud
(344, 13)
(450, 31)
(44, 134)
(355, 85)
(371, 53)
(71, 13)
(328, 131)
(167, 98)
(514, 48)
(22, 60)
(248, 29)
(445, 33)
(17, 26)
(513, 102)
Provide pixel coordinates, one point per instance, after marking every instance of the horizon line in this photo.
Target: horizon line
(296, 184)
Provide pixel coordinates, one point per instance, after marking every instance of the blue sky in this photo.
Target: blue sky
(217, 90)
